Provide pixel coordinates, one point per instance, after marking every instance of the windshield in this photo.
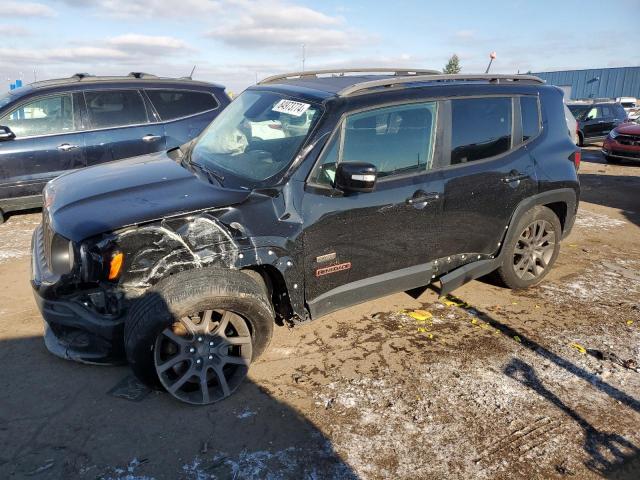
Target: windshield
(4, 99)
(580, 111)
(255, 137)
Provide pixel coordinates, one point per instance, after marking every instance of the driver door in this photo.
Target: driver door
(48, 142)
(360, 246)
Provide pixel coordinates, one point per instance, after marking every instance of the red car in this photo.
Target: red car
(622, 143)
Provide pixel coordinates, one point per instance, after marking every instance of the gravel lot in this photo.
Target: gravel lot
(487, 384)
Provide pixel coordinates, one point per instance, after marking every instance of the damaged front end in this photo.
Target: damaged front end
(85, 307)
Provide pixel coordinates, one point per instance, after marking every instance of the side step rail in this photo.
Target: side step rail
(466, 273)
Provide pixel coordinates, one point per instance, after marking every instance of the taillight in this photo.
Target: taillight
(575, 157)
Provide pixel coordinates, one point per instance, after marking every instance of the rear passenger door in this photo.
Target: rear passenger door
(184, 113)
(119, 126)
(489, 172)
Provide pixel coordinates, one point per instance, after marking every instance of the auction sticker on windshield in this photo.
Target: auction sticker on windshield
(290, 107)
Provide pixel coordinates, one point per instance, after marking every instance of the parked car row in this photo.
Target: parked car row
(53, 127)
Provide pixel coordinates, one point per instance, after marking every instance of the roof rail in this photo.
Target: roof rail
(341, 72)
(80, 76)
(390, 82)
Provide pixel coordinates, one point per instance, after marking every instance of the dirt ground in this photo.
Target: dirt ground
(488, 384)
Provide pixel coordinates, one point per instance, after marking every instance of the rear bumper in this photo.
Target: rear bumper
(73, 331)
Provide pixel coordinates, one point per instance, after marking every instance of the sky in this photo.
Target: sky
(233, 42)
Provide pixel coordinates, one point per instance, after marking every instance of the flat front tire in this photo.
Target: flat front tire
(196, 333)
(531, 248)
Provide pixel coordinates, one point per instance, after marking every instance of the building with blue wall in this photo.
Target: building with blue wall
(596, 82)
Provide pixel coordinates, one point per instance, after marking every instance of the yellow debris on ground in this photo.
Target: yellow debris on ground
(578, 347)
(420, 315)
(517, 338)
(629, 322)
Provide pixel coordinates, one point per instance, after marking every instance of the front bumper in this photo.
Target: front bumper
(614, 149)
(72, 330)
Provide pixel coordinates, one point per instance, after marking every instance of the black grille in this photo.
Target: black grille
(628, 139)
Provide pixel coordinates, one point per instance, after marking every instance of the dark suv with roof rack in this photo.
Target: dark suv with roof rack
(55, 126)
(381, 181)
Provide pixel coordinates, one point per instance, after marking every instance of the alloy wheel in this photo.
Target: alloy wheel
(203, 358)
(534, 250)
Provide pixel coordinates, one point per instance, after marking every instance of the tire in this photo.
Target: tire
(2, 217)
(195, 333)
(580, 140)
(531, 249)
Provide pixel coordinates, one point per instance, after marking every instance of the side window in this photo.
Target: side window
(171, 104)
(530, 115)
(115, 108)
(592, 113)
(607, 111)
(394, 139)
(481, 128)
(45, 116)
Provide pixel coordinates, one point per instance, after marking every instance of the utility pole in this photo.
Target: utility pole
(303, 56)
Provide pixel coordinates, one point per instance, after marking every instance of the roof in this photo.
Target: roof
(134, 78)
(340, 84)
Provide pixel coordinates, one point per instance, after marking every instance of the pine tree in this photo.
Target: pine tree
(453, 66)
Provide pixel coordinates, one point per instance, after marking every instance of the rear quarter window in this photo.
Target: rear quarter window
(530, 114)
(172, 104)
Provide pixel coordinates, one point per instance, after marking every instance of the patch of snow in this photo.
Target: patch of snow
(591, 220)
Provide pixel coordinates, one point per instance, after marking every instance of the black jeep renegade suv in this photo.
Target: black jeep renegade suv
(311, 192)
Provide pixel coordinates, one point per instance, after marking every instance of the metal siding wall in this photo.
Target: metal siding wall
(613, 82)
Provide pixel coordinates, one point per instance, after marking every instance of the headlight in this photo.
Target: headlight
(61, 255)
(613, 133)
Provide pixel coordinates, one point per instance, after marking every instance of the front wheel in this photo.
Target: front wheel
(196, 333)
(531, 252)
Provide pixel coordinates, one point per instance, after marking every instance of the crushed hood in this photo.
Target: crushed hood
(117, 194)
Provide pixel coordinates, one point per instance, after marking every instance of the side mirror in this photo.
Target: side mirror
(6, 134)
(356, 177)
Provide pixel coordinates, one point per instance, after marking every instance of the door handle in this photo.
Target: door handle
(514, 176)
(67, 147)
(422, 197)
(151, 138)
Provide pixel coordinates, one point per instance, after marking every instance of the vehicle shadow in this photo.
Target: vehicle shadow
(58, 420)
(615, 191)
(600, 446)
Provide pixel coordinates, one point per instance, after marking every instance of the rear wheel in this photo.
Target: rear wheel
(532, 250)
(580, 140)
(1, 217)
(196, 333)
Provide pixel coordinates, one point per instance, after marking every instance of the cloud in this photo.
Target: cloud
(26, 9)
(275, 24)
(132, 42)
(148, 8)
(13, 30)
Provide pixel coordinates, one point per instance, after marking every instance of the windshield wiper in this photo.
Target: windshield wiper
(210, 173)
